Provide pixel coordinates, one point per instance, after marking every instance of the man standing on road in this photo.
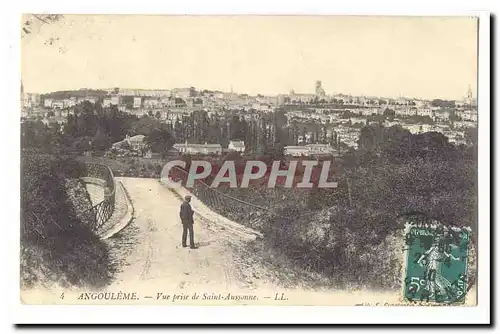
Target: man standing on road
(187, 222)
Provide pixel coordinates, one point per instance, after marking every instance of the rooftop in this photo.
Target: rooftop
(238, 143)
(197, 145)
(136, 138)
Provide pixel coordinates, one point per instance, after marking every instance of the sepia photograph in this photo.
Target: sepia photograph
(249, 160)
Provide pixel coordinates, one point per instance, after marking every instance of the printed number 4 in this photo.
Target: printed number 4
(62, 295)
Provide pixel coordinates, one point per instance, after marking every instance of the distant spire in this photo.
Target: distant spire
(469, 92)
(22, 94)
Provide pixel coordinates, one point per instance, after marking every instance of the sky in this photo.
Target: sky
(432, 57)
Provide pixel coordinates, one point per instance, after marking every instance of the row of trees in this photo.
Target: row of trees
(91, 127)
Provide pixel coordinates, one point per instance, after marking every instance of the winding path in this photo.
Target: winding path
(151, 246)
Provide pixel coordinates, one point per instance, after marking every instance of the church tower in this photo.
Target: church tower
(320, 92)
(22, 94)
(469, 99)
(469, 93)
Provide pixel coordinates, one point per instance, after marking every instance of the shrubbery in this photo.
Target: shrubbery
(58, 245)
(353, 233)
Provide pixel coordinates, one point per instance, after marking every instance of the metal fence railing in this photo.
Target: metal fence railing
(229, 206)
(104, 210)
(94, 215)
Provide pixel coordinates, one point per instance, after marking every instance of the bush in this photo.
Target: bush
(57, 244)
(351, 232)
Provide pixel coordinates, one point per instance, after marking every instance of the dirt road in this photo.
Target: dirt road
(151, 253)
(151, 262)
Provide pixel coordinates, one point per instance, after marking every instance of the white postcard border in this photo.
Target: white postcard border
(249, 314)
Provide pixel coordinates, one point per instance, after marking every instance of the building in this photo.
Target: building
(417, 128)
(171, 116)
(47, 103)
(296, 151)
(115, 100)
(406, 111)
(320, 149)
(238, 146)
(135, 142)
(66, 103)
(31, 100)
(186, 148)
(150, 155)
(467, 115)
(179, 102)
(356, 120)
(61, 113)
(441, 115)
(137, 102)
(165, 101)
(58, 104)
(310, 149)
(141, 92)
(184, 93)
(366, 111)
(464, 124)
(50, 121)
(264, 107)
(151, 102)
(22, 95)
(106, 102)
(302, 98)
(72, 101)
(469, 99)
(90, 99)
(320, 92)
(425, 112)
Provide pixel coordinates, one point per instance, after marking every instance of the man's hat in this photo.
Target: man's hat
(188, 197)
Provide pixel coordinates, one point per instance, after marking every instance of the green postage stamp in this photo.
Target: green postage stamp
(436, 263)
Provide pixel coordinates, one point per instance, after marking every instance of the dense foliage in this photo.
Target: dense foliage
(90, 127)
(82, 93)
(353, 232)
(57, 241)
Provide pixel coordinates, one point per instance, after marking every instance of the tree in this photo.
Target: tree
(179, 131)
(160, 140)
(87, 120)
(370, 137)
(144, 126)
(276, 152)
(442, 103)
(389, 112)
(71, 128)
(101, 140)
(471, 136)
(32, 134)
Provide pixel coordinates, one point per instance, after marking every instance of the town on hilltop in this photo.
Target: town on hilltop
(213, 122)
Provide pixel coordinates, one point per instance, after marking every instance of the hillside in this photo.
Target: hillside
(58, 245)
(66, 94)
